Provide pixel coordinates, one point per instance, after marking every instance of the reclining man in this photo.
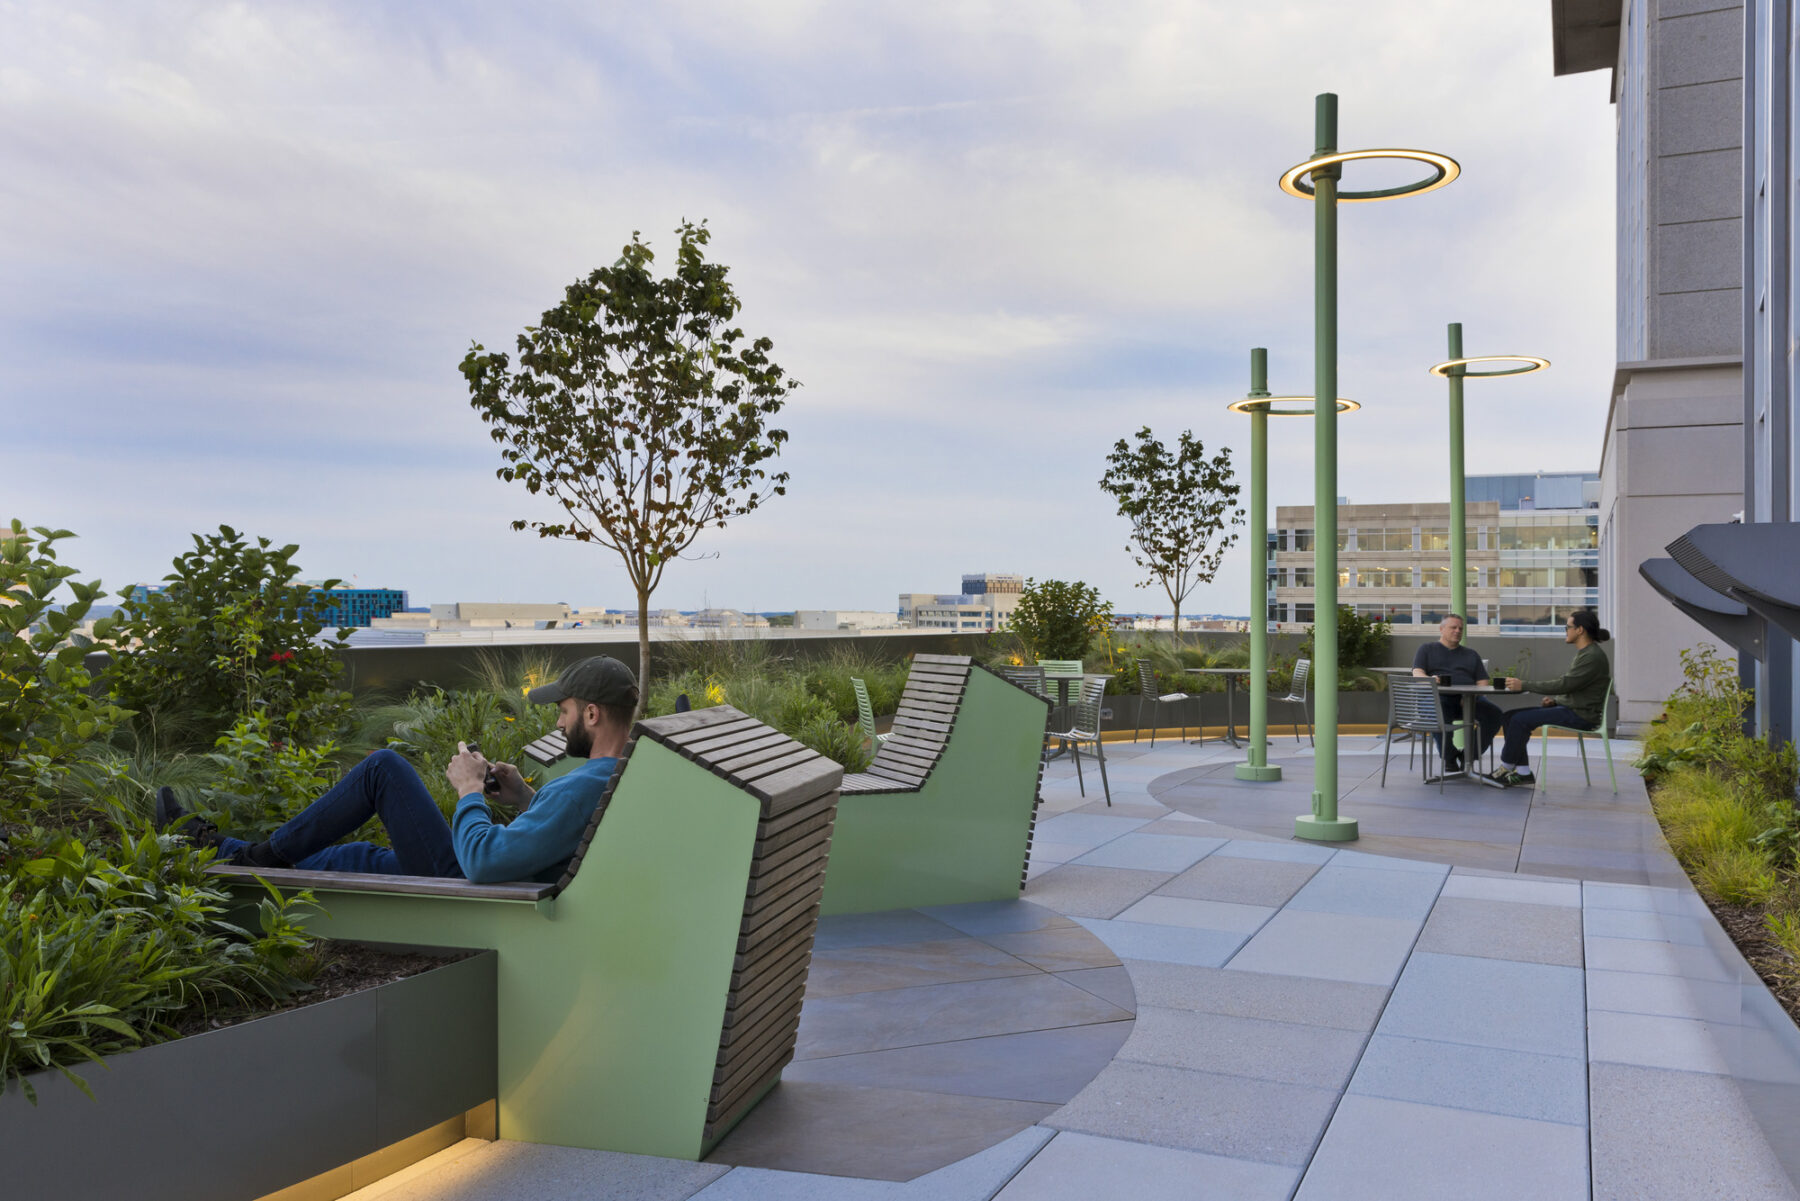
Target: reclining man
(1449, 660)
(595, 701)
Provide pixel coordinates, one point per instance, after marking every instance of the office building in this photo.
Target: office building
(1532, 556)
(986, 609)
(358, 607)
(845, 619)
(1674, 446)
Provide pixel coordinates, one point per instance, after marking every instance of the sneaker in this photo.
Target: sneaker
(169, 814)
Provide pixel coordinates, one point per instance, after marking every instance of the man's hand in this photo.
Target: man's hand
(467, 772)
(1514, 684)
(513, 788)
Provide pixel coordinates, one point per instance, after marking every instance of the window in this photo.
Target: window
(1439, 577)
(1303, 577)
(1384, 577)
(1303, 613)
(1344, 539)
(1302, 539)
(1384, 539)
(1527, 615)
(1438, 538)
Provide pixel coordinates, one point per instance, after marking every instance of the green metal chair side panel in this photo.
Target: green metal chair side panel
(561, 767)
(611, 1006)
(962, 836)
(865, 711)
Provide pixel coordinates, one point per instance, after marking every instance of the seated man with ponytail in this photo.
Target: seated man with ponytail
(1576, 698)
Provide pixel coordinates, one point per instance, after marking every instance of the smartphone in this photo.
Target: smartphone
(490, 785)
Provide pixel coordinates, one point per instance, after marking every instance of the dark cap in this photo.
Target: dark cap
(601, 680)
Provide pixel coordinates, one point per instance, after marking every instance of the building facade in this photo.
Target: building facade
(1532, 556)
(358, 607)
(845, 619)
(1673, 448)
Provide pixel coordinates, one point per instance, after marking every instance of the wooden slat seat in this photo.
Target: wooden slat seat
(945, 811)
(651, 996)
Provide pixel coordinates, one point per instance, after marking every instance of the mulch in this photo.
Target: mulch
(1778, 969)
(344, 968)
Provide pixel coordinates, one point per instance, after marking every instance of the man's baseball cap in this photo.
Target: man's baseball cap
(601, 680)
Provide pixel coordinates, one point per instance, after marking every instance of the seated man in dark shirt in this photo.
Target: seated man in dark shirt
(1450, 661)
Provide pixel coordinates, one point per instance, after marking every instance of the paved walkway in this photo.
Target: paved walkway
(1316, 1022)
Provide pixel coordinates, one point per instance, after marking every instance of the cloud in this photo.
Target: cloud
(245, 246)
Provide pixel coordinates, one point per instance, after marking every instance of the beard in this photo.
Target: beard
(579, 740)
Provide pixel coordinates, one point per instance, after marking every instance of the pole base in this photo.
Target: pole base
(1320, 829)
(1249, 771)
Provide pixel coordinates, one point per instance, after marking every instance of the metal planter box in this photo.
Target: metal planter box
(240, 1112)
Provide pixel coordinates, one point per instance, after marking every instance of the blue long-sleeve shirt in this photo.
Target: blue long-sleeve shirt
(540, 841)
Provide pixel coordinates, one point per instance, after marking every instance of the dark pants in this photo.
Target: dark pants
(1521, 724)
(1487, 720)
(384, 785)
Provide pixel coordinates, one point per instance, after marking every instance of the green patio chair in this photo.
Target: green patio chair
(1084, 730)
(651, 996)
(865, 714)
(944, 815)
(1061, 669)
(1581, 737)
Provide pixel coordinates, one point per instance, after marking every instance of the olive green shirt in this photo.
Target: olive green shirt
(1583, 687)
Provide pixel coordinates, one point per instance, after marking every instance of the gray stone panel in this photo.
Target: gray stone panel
(1081, 1167)
(1671, 453)
(1698, 323)
(1700, 256)
(1700, 48)
(1706, 116)
(1697, 187)
(1714, 1150)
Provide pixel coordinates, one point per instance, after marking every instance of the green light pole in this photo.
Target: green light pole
(1261, 406)
(1324, 169)
(1455, 369)
(1258, 766)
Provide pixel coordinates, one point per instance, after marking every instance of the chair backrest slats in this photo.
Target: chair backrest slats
(1302, 669)
(1146, 678)
(865, 712)
(1414, 703)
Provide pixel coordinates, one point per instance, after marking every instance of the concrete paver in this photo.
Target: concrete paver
(1351, 1018)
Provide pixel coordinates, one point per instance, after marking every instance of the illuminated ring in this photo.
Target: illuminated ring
(1531, 361)
(1444, 170)
(1266, 404)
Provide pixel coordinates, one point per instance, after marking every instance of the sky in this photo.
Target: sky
(243, 248)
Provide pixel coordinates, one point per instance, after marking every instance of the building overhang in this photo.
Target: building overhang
(1584, 35)
(1714, 612)
(1756, 565)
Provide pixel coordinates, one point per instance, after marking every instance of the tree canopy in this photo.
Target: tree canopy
(1180, 504)
(641, 409)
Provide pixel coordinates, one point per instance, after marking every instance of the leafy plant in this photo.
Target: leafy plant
(48, 722)
(232, 633)
(640, 409)
(1179, 504)
(1361, 640)
(1057, 619)
(260, 782)
(102, 945)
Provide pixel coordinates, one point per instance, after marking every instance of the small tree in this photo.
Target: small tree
(639, 408)
(1058, 620)
(1178, 505)
(1361, 640)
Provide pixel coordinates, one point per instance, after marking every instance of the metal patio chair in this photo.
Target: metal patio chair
(1148, 698)
(1084, 730)
(1299, 695)
(1581, 737)
(865, 714)
(1414, 706)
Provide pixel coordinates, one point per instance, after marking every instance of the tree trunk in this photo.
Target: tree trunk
(643, 672)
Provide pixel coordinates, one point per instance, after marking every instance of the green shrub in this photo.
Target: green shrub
(1361, 640)
(260, 782)
(1056, 619)
(233, 633)
(427, 727)
(100, 946)
(48, 722)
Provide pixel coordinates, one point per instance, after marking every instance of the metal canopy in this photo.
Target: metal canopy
(1756, 565)
(1715, 613)
(1584, 35)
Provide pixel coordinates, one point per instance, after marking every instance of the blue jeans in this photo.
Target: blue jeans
(384, 785)
(1522, 723)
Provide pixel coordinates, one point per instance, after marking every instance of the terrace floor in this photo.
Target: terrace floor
(1491, 994)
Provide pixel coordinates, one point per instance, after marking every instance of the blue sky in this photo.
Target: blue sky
(243, 248)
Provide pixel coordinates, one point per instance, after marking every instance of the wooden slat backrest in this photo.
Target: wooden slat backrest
(927, 713)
